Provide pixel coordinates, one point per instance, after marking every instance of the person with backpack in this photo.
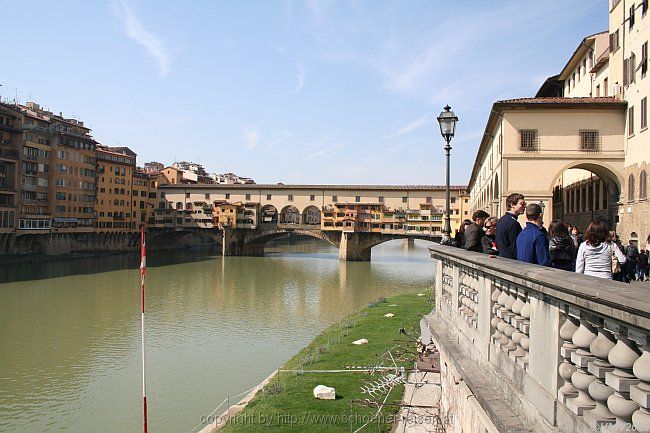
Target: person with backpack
(561, 246)
(632, 256)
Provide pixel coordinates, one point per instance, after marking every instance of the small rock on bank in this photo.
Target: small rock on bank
(359, 342)
(389, 315)
(325, 392)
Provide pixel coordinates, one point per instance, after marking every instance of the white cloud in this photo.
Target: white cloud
(135, 30)
(251, 137)
(426, 119)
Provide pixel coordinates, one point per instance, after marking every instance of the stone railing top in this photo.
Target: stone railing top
(623, 302)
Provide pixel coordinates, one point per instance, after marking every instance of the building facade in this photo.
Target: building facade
(10, 143)
(114, 209)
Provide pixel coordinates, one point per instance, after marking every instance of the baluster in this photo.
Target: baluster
(640, 392)
(581, 378)
(598, 390)
(525, 328)
(622, 357)
(517, 320)
(566, 368)
(509, 330)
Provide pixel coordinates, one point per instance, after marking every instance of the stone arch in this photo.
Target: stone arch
(596, 167)
(332, 238)
(290, 215)
(611, 182)
(311, 216)
(268, 214)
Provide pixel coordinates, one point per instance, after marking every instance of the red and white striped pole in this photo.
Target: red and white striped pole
(143, 274)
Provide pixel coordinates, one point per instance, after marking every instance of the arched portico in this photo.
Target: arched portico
(290, 215)
(311, 216)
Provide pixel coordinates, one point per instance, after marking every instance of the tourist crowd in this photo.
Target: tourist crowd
(598, 252)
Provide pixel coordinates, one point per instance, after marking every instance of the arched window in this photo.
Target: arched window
(630, 188)
(643, 185)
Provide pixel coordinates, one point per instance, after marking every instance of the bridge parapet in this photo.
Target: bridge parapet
(541, 349)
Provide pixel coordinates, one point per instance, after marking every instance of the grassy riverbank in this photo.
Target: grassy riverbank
(287, 403)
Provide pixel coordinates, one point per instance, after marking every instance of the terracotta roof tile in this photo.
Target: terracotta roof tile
(563, 101)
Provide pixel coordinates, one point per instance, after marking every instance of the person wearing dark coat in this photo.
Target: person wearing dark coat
(532, 244)
(508, 228)
(474, 232)
(459, 238)
(489, 242)
(561, 247)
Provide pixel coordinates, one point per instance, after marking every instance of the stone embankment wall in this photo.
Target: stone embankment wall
(528, 348)
(58, 244)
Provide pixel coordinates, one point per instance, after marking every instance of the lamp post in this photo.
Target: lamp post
(447, 121)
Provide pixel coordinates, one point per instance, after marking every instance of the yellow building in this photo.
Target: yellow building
(114, 208)
(144, 194)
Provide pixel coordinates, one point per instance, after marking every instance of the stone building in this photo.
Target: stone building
(114, 208)
(609, 71)
(10, 141)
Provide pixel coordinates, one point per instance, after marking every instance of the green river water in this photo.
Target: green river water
(70, 330)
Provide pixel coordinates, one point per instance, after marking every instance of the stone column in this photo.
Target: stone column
(622, 357)
(598, 390)
(567, 368)
(351, 248)
(640, 393)
(581, 378)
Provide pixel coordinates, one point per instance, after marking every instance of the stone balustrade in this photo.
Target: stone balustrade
(567, 352)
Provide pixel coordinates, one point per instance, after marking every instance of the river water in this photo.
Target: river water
(70, 330)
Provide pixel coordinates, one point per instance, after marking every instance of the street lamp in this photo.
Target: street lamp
(447, 121)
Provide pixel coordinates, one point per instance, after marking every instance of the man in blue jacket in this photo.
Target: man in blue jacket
(532, 243)
(508, 228)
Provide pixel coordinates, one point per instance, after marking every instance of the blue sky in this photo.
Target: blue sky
(290, 91)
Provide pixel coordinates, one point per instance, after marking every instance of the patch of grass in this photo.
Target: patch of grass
(288, 404)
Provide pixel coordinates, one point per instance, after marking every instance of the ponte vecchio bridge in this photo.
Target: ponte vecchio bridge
(353, 218)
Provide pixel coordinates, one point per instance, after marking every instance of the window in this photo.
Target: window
(630, 188)
(528, 139)
(643, 179)
(187, 195)
(605, 87)
(405, 199)
(227, 196)
(630, 121)
(631, 19)
(589, 140)
(644, 113)
(248, 196)
(207, 196)
(312, 197)
(268, 196)
(335, 198)
(613, 41)
(452, 199)
(629, 70)
(644, 59)
(381, 199)
(357, 198)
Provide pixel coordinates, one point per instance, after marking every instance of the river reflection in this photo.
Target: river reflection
(69, 330)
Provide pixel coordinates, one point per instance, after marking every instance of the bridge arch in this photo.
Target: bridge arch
(290, 215)
(311, 216)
